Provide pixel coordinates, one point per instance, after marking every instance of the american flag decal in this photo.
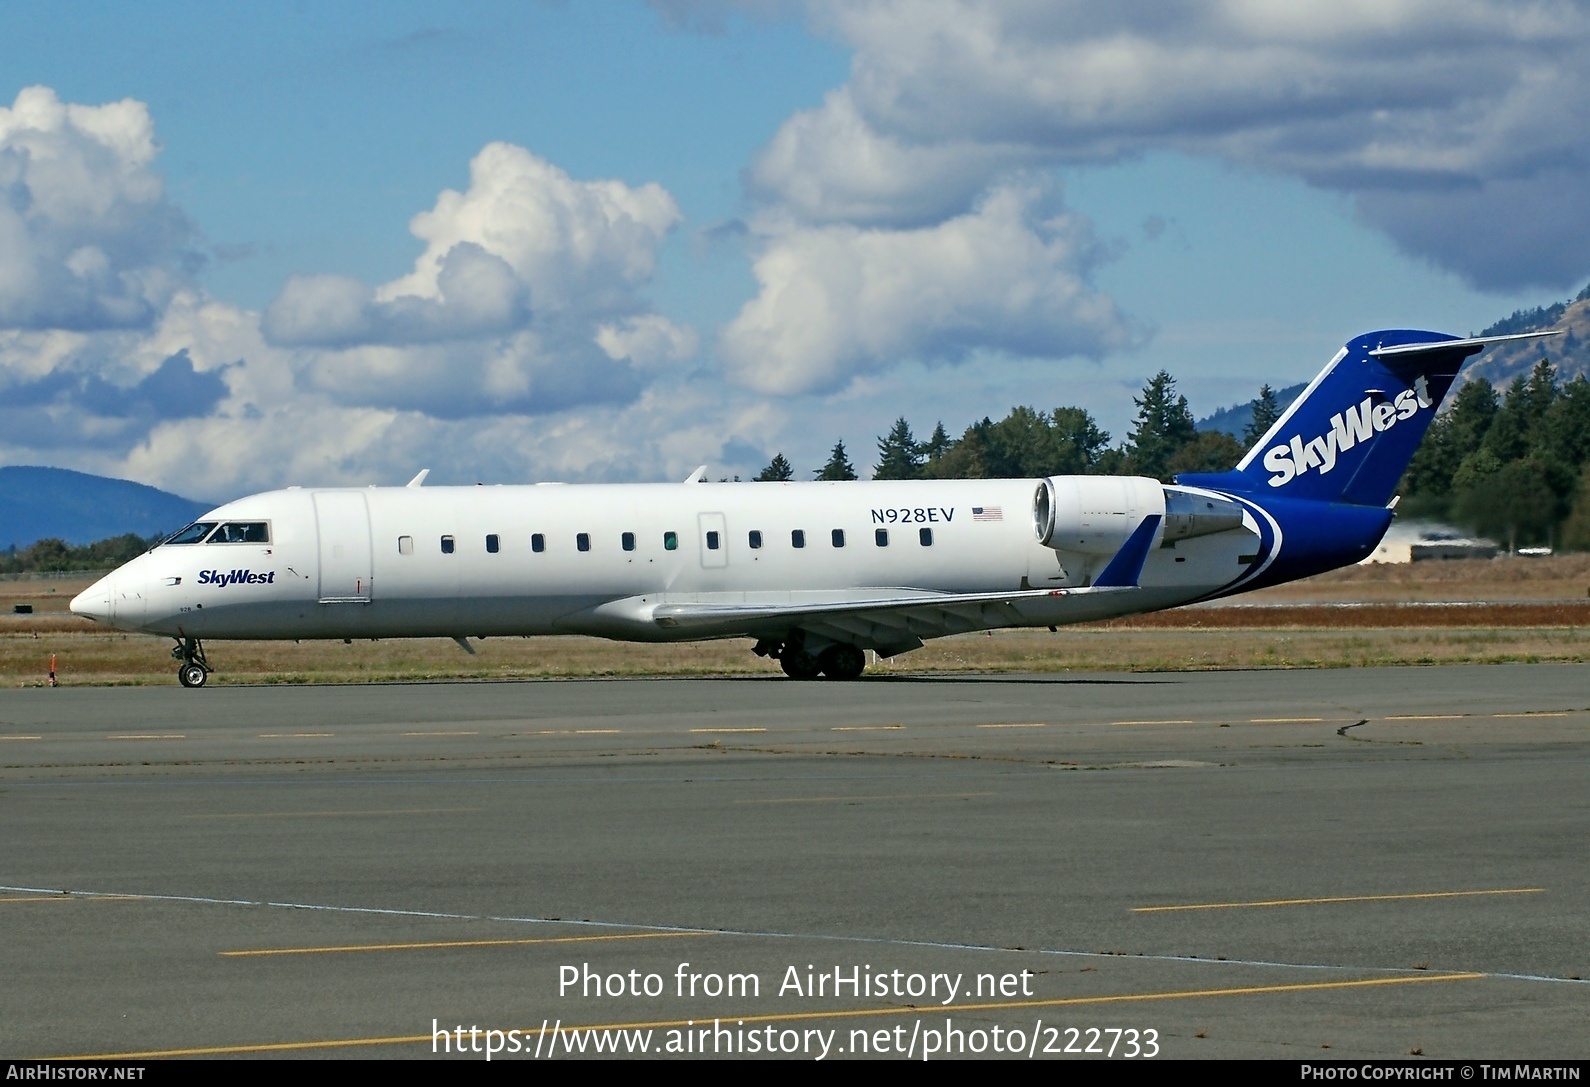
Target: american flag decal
(987, 513)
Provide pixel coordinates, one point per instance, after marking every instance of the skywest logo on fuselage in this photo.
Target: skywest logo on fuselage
(223, 578)
(1356, 424)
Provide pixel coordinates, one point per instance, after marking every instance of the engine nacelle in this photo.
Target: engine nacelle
(1093, 515)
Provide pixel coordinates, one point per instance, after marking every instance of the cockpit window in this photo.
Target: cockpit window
(254, 532)
(193, 533)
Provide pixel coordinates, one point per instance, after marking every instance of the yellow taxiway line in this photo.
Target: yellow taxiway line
(1342, 898)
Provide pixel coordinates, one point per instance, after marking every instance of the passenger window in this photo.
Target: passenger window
(881, 537)
(926, 536)
(628, 540)
(756, 539)
(405, 545)
(797, 538)
(583, 541)
(670, 541)
(242, 532)
(538, 543)
(193, 533)
(839, 537)
(447, 545)
(493, 544)
(712, 541)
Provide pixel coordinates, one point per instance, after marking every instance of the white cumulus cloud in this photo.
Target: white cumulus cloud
(525, 238)
(526, 298)
(650, 341)
(87, 237)
(840, 300)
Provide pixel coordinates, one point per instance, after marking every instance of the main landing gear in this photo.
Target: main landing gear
(194, 669)
(837, 661)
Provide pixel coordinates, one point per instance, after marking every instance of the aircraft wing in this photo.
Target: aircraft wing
(890, 623)
(889, 620)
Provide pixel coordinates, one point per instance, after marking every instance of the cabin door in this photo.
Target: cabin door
(343, 520)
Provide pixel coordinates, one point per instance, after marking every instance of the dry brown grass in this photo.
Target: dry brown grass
(1515, 610)
(1560, 577)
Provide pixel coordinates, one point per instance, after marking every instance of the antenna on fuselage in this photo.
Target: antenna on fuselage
(419, 480)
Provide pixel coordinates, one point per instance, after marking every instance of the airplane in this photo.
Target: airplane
(816, 574)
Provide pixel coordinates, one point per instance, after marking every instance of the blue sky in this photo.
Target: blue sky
(708, 232)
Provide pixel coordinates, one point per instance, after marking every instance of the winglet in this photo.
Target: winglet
(1127, 565)
(419, 480)
(698, 475)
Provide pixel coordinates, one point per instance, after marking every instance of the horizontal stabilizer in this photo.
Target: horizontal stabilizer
(1474, 342)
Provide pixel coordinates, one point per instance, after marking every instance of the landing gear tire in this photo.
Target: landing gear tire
(799, 665)
(842, 662)
(194, 669)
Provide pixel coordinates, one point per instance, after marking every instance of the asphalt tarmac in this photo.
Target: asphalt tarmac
(1306, 864)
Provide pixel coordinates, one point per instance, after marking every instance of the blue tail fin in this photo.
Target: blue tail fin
(1351, 433)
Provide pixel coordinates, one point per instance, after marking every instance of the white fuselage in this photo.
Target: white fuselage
(375, 562)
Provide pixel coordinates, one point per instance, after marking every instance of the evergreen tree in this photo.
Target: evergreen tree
(966, 458)
(1576, 530)
(1018, 445)
(1517, 425)
(838, 469)
(898, 454)
(935, 447)
(777, 470)
(1164, 425)
(1453, 437)
(1209, 451)
(55, 555)
(1563, 439)
(1265, 412)
(1079, 442)
(1515, 503)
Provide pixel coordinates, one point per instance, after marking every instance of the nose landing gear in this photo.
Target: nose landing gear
(194, 669)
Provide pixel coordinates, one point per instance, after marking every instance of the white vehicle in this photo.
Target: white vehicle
(815, 573)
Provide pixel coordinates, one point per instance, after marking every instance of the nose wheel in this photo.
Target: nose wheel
(194, 669)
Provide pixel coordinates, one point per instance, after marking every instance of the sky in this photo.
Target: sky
(256, 245)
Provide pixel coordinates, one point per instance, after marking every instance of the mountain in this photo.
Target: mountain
(1235, 419)
(36, 503)
(1570, 354)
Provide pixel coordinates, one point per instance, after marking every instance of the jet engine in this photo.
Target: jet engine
(1095, 515)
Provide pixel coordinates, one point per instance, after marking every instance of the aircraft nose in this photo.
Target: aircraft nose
(95, 602)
